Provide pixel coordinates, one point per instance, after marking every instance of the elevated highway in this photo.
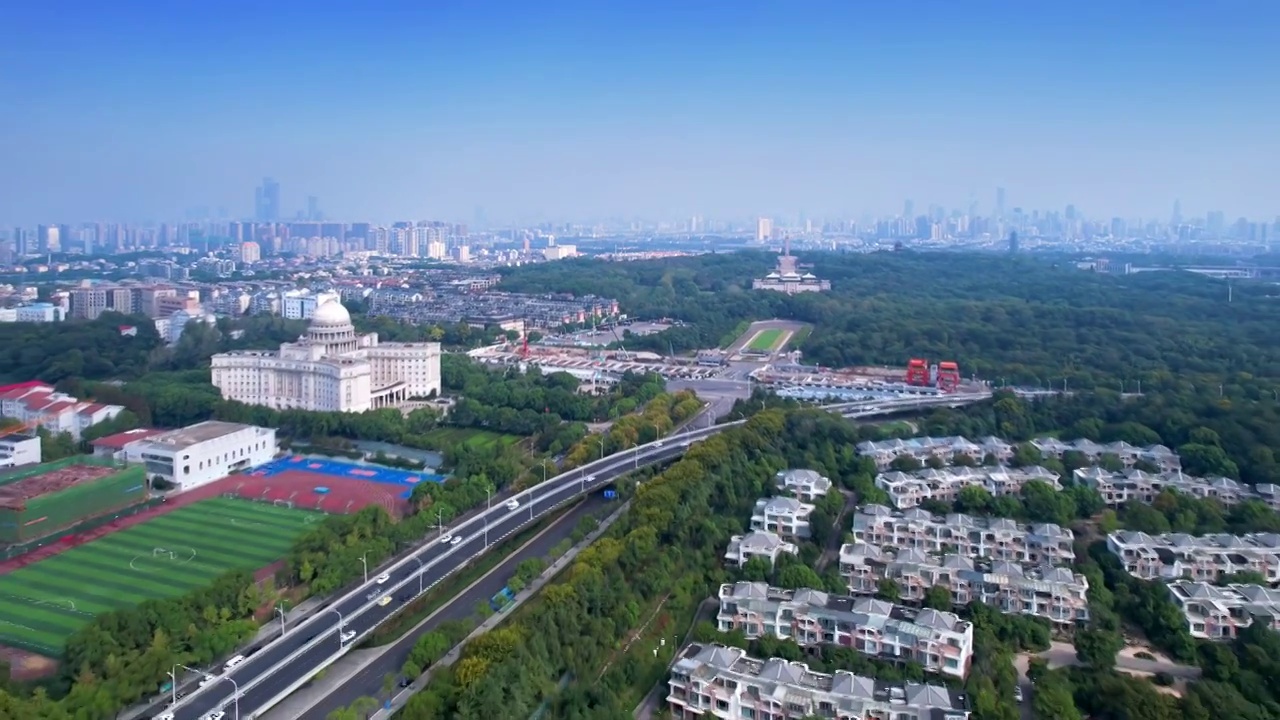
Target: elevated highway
(268, 676)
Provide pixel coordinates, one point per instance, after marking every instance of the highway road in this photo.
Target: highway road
(269, 675)
(368, 682)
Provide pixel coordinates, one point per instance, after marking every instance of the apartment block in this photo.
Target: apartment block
(884, 452)
(784, 516)
(1118, 488)
(1048, 591)
(757, 544)
(1220, 613)
(938, 641)
(806, 485)
(907, 490)
(986, 537)
(1158, 455)
(1205, 558)
(713, 681)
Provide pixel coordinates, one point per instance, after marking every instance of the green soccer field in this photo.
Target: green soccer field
(765, 340)
(44, 603)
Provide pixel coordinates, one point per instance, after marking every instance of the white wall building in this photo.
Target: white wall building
(302, 304)
(807, 485)
(331, 369)
(18, 450)
(202, 453)
(757, 544)
(785, 516)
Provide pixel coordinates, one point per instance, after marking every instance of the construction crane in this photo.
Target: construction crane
(624, 354)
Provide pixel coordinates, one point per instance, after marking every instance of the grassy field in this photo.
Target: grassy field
(441, 438)
(43, 603)
(766, 340)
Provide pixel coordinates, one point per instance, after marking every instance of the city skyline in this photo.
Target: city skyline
(571, 110)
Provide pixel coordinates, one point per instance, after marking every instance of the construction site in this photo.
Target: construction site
(39, 501)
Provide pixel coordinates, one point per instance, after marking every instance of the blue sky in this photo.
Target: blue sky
(579, 110)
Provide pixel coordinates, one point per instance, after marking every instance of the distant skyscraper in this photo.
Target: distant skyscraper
(313, 209)
(999, 202)
(1177, 213)
(267, 201)
(1013, 242)
(908, 209)
(764, 229)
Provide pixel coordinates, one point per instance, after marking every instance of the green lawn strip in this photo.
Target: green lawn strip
(247, 510)
(37, 642)
(35, 587)
(153, 570)
(765, 340)
(88, 571)
(219, 540)
(75, 585)
(96, 598)
(136, 558)
(240, 526)
(40, 617)
(114, 572)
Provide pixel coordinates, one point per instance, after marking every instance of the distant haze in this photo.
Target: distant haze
(584, 110)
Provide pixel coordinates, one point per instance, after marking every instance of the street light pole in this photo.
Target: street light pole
(173, 680)
(364, 560)
(602, 447)
(341, 623)
(419, 561)
(280, 611)
(236, 697)
(488, 503)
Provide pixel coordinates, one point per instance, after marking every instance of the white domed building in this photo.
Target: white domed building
(330, 369)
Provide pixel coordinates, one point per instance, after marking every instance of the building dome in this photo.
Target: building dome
(331, 314)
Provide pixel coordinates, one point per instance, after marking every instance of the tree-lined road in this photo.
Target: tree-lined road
(266, 677)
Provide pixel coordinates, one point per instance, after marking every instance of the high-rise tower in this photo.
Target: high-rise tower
(267, 201)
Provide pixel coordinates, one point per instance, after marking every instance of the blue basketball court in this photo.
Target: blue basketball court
(346, 470)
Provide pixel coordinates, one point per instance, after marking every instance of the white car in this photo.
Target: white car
(591, 478)
(206, 680)
(658, 444)
(166, 716)
(348, 636)
(382, 578)
(513, 504)
(446, 540)
(455, 541)
(215, 715)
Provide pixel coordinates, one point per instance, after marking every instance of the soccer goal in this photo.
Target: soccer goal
(283, 503)
(164, 553)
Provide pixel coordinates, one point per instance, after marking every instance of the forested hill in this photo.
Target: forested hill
(1020, 318)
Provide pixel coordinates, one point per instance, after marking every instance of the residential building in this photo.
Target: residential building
(1118, 488)
(331, 369)
(907, 490)
(1220, 613)
(784, 516)
(807, 485)
(884, 452)
(202, 453)
(1052, 592)
(1205, 558)
(33, 313)
(36, 404)
(1158, 455)
(302, 304)
(938, 641)
(713, 681)
(757, 544)
(16, 449)
(987, 537)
